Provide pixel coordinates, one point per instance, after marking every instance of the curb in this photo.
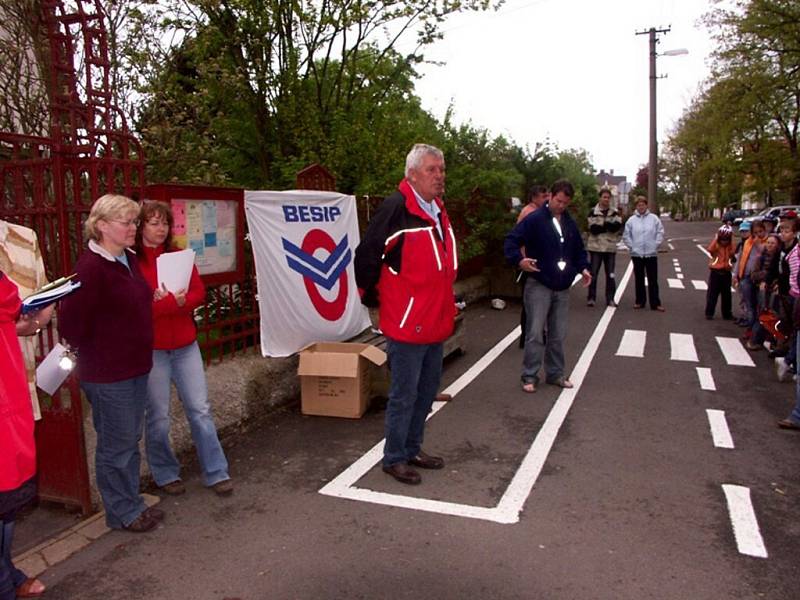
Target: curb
(37, 560)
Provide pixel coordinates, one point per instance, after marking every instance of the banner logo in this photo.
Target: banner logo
(325, 273)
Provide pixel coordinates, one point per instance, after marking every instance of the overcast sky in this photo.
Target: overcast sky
(569, 70)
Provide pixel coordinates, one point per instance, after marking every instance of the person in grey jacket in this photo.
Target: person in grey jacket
(643, 235)
(605, 231)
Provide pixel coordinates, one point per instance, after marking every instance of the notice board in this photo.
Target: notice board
(210, 221)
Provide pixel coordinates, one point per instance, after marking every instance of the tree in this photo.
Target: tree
(23, 68)
(756, 84)
(280, 82)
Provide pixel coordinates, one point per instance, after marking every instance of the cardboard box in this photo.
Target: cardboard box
(335, 378)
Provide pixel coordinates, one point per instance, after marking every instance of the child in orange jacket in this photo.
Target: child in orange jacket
(719, 274)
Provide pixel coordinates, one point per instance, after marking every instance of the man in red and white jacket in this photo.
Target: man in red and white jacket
(406, 264)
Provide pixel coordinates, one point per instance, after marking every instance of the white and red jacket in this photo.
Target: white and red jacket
(405, 266)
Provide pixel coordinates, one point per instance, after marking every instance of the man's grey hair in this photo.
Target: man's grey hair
(418, 152)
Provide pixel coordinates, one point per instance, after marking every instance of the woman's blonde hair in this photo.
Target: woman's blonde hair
(107, 208)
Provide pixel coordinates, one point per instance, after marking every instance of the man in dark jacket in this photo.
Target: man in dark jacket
(605, 232)
(554, 256)
(406, 264)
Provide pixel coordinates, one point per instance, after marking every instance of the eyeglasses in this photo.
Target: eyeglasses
(128, 223)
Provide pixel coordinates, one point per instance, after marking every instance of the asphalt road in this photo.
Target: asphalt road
(628, 503)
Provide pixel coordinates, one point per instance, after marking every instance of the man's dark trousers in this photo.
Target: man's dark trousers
(416, 371)
(608, 260)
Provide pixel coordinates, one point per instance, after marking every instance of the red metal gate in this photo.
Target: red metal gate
(49, 184)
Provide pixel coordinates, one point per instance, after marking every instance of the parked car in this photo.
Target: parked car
(772, 211)
(730, 216)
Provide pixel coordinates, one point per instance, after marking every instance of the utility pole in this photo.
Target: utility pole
(652, 172)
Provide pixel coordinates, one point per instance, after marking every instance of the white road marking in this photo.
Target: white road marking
(675, 283)
(679, 276)
(682, 347)
(734, 352)
(518, 490)
(671, 247)
(743, 518)
(719, 429)
(632, 343)
(704, 251)
(706, 379)
(699, 284)
(678, 269)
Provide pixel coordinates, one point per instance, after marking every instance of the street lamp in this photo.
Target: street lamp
(652, 175)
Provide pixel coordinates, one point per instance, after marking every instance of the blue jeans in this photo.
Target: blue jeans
(544, 307)
(10, 576)
(118, 417)
(416, 372)
(184, 366)
(795, 416)
(749, 292)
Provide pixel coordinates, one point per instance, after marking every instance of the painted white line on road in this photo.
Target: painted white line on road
(682, 347)
(513, 499)
(704, 251)
(719, 428)
(675, 283)
(699, 284)
(632, 343)
(675, 261)
(706, 379)
(679, 276)
(678, 269)
(743, 518)
(734, 352)
(671, 247)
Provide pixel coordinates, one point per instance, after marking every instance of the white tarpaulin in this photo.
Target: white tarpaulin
(304, 243)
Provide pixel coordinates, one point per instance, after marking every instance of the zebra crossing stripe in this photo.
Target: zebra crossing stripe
(699, 284)
(675, 283)
(734, 352)
(682, 347)
(706, 379)
(719, 429)
(743, 518)
(632, 343)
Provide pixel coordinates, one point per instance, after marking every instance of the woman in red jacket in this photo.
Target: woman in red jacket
(176, 358)
(17, 447)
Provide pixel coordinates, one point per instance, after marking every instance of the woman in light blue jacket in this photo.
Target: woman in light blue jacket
(643, 235)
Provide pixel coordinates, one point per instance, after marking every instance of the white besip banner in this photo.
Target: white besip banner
(304, 243)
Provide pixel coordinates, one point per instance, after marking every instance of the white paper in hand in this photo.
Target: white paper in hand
(49, 374)
(174, 269)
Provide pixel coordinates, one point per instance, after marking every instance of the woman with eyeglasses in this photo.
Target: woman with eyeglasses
(176, 358)
(109, 322)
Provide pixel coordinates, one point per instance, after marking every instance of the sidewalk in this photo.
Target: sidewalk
(35, 561)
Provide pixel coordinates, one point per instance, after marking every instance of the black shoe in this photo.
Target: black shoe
(426, 461)
(174, 488)
(144, 522)
(612, 304)
(403, 473)
(155, 513)
(223, 488)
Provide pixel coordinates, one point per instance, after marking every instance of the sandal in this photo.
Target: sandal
(528, 387)
(30, 588)
(561, 382)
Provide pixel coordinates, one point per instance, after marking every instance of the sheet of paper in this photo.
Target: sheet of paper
(174, 269)
(49, 375)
